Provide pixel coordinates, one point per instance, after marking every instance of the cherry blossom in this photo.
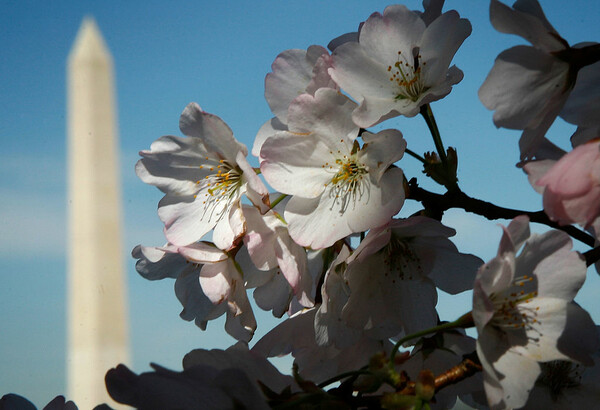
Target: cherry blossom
(271, 247)
(524, 312)
(572, 186)
(393, 274)
(203, 178)
(296, 335)
(208, 284)
(399, 63)
(338, 188)
(212, 379)
(294, 72)
(528, 85)
(566, 385)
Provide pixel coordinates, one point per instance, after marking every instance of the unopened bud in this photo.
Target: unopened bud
(425, 387)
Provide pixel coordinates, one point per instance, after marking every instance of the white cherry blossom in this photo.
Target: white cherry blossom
(203, 177)
(399, 63)
(338, 187)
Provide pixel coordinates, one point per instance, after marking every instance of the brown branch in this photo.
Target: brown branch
(461, 371)
(592, 256)
(437, 204)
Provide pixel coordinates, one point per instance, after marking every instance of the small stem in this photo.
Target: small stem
(415, 155)
(450, 181)
(278, 200)
(464, 321)
(343, 376)
(435, 133)
(592, 256)
(466, 368)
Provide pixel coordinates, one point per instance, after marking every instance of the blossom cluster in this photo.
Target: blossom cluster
(317, 229)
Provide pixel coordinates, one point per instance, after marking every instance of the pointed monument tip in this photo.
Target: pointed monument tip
(89, 44)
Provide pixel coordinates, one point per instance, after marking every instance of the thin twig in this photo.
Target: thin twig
(457, 199)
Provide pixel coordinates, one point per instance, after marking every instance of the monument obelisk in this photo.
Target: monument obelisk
(97, 310)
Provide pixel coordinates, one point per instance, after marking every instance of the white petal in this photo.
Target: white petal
(440, 42)
(201, 252)
(528, 21)
(229, 231)
(399, 29)
(156, 263)
(274, 295)
(268, 129)
(188, 219)
(216, 281)
(327, 114)
(294, 164)
(560, 273)
(381, 150)
(173, 164)
(520, 78)
(291, 74)
(319, 222)
(216, 136)
(518, 377)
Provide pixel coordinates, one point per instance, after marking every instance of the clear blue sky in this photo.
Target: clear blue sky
(215, 53)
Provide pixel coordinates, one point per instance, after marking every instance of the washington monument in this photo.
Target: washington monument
(97, 310)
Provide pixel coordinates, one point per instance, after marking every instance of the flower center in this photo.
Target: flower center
(220, 186)
(348, 182)
(511, 304)
(403, 262)
(558, 375)
(406, 75)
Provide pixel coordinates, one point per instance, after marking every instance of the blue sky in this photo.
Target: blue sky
(215, 53)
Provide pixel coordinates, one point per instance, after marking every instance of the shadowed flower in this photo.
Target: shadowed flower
(524, 312)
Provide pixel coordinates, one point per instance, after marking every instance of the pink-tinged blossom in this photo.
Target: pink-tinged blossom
(399, 63)
(524, 312)
(393, 274)
(270, 247)
(294, 72)
(203, 177)
(572, 186)
(208, 284)
(528, 85)
(337, 187)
